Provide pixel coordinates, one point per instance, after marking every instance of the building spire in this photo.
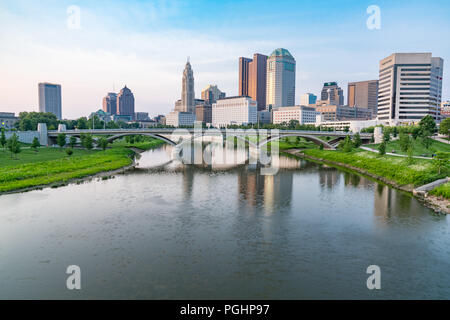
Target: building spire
(188, 58)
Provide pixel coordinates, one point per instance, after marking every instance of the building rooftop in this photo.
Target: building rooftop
(281, 52)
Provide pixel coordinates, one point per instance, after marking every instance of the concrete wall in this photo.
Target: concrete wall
(24, 136)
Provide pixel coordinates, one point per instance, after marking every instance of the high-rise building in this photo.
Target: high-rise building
(203, 113)
(280, 89)
(211, 94)
(253, 78)
(187, 89)
(234, 111)
(332, 93)
(257, 80)
(410, 87)
(50, 98)
(243, 75)
(363, 94)
(125, 103)
(307, 99)
(110, 103)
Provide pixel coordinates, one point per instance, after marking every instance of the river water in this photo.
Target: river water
(169, 231)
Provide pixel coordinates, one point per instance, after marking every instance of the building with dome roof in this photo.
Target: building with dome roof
(125, 103)
(280, 89)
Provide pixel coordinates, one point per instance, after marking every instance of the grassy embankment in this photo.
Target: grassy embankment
(442, 191)
(53, 165)
(394, 169)
(418, 148)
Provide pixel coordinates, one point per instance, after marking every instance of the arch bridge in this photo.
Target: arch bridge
(178, 136)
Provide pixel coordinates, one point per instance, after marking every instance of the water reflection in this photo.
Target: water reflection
(169, 230)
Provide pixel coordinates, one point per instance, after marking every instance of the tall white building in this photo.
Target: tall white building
(240, 110)
(410, 87)
(280, 90)
(187, 101)
(302, 114)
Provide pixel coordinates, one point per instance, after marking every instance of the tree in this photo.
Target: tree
(386, 136)
(72, 141)
(425, 137)
(346, 129)
(13, 145)
(427, 123)
(61, 139)
(445, 128)
(321, 146)
(102, 143)
(382, 149)
(357, 142)
(415, 131)
(88, 142)
(440, 160)
(3, 139)
(410, 151)
(395, 132)
(69, 151)
(35, 144)
(346, 145)
(28, 121)
(404, 141)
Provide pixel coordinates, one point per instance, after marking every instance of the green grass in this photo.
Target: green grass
(418, 147)
(442, 191)
(149, 143)
(61, 168)
(393, 168)
(43, 154)
(292, 143)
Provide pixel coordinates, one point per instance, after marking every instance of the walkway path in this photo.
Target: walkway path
(394, 154)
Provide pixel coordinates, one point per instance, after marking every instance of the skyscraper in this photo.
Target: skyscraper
(211, 94)
(280, 90)
(257, 80)
(363, 94)
(307, 99)
(110, 103)
(243, 75)
(50, 98)
(187, 89)
(410, 87)
(332, 93)
(125, 103)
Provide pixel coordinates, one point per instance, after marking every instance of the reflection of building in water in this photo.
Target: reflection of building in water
(188, 182)
(328, 177)
(268, 192)
(393, 204)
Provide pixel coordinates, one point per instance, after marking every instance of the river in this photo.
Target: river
(174, 231)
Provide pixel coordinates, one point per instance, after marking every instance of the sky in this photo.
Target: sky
(145, 44)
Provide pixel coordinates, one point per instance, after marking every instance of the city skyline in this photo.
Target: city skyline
(156, 47)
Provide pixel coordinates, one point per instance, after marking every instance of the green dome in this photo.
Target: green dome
(281, 52)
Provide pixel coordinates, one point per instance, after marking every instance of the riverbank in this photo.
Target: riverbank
(31, 172)
(390, 170)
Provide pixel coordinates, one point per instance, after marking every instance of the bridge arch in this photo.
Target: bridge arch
(156, 136)
(307, 137)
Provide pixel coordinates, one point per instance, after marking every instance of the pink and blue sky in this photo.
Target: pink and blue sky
(144, 44)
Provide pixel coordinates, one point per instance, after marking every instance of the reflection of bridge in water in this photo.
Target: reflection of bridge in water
(177, 137)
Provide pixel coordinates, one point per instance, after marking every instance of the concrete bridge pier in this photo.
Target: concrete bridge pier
(43, 134)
